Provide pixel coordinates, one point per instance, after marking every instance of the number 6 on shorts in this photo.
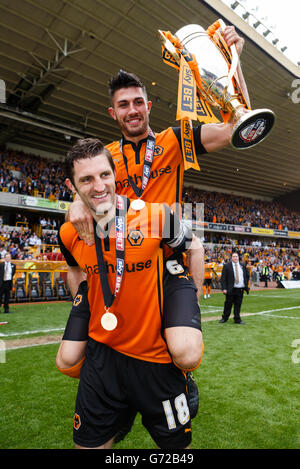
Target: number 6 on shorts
(173, 267)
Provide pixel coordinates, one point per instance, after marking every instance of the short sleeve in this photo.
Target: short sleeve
(199, 148)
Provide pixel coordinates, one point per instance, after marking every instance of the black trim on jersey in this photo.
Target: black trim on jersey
(159, 291)
(136, 147)
(199, 148)
(66, 253)
(139, 190)
(176, 233)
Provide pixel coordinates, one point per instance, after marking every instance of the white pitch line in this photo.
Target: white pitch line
(32, 345)
(282, 317)
(267, 313)
(207, 306)
(11, 334)
(275, 310)
(274, 296)
(212, 311)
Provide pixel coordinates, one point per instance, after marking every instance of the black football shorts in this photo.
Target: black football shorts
(112, 385)
(207, 282)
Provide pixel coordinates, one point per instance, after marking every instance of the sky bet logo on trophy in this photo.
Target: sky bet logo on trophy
(216, 83)
(2, 92)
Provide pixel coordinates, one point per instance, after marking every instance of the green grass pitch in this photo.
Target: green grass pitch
(248, 380)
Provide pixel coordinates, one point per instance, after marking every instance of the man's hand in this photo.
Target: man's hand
(82, 220)
(231, 37)
(225, 292)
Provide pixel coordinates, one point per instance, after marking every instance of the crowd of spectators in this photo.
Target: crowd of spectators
(279, 260)
(217, 238)
(26, 174)
(238, 210)
(20, 243)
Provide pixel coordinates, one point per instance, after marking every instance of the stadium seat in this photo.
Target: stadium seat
(48, 293)
(61, 290)
(20, 292)
(34, 290)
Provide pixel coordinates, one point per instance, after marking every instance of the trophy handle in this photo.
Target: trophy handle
(234, 55)
(169, 46)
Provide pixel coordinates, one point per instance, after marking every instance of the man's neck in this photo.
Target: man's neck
(138, 138)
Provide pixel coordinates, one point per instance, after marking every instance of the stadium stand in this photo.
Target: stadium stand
(41, 270)
(238, 210)
(31, 236)
(21, 173)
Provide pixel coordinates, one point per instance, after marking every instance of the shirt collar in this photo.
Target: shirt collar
(133, 144)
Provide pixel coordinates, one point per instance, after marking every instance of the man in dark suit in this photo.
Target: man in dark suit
(234, 281)
(7, 272)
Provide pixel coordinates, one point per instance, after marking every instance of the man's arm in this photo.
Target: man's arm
(214, 137)
(82, 220)
(195, 262)
(246, 278)
(224, 279)
(74, 277)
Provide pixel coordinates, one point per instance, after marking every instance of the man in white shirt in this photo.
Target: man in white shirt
(234, 281)
(7, 272)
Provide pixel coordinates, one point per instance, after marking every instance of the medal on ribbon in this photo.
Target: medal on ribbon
(109, 320)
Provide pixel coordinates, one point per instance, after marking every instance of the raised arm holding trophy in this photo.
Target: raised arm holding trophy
(207, 77)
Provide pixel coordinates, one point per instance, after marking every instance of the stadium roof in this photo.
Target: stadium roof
(57, 58)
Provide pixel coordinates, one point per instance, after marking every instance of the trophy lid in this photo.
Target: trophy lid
(188, 32)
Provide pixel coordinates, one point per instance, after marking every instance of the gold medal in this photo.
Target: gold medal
(137, 205)
(109, 321)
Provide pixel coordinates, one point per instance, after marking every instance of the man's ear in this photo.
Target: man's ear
(112, 112)
(69, 185)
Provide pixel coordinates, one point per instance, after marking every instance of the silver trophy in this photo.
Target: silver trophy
(217, 85)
